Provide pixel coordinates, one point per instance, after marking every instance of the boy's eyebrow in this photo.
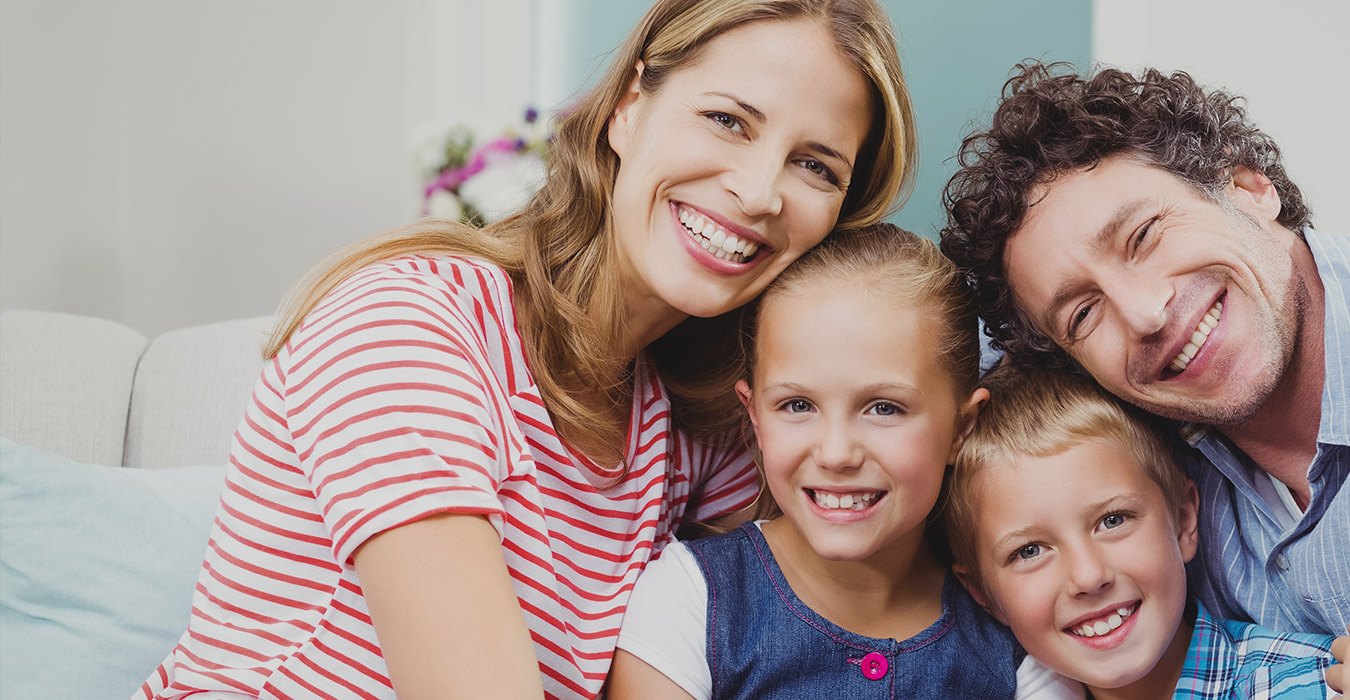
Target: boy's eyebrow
(1005, 541)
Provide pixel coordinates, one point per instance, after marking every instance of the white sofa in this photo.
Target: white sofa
(113, 451)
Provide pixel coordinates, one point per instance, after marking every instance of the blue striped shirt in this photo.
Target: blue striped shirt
(1228, 659)
(1283, 573)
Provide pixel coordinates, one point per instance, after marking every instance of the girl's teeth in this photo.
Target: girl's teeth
(848, 501)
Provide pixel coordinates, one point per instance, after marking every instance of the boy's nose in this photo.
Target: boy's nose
(1088, 572)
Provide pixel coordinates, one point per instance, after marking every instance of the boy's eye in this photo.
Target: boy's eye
(1113, 520)
(1030, 551)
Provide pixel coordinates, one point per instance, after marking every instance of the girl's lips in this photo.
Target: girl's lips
(841, 515)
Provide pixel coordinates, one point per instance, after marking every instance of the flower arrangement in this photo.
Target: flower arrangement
(480, 181)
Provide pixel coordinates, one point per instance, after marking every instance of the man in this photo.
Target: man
(1139, 229)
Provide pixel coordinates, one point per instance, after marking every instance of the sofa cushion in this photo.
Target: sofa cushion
(97, 570)
(191, 389)
(65, 383)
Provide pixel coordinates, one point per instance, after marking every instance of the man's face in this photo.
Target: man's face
(1186, 306)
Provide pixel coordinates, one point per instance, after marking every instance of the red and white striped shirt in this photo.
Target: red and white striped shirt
(405, 394)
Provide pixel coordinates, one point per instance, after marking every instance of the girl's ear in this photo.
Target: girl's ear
(1188, 537)
(972, 584)
(747, 397)
(965, 420)
(625, 114)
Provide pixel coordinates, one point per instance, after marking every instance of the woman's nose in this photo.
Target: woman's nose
(754, 179)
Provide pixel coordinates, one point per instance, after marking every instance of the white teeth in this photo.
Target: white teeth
(1104, 626)
(715, 239)
(848, 501)
(1202, 331)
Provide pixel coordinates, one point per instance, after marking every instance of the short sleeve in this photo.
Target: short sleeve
(393, 408)
(666, 624)
(726, 477)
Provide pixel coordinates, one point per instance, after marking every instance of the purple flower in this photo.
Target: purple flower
(531, 115)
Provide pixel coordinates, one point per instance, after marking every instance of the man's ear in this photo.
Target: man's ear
(972, 584)
(1252, 192)
(625, 115)
(965, 421)
(1188, 519)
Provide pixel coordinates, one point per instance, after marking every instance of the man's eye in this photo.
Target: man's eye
(1079, 317)
(1141, 235)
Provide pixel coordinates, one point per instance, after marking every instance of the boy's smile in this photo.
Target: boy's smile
(1081, 557)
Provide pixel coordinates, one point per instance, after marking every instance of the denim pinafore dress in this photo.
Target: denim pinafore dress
(764, 642)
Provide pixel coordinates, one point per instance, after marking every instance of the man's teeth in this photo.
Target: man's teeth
(1104, 625)
(1207, 324)
(848, 501)
(715, 239)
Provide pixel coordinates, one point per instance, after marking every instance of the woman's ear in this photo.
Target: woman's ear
(625, 114)
(965, 420)
(1188, 535)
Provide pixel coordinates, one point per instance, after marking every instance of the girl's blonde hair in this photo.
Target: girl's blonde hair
(897, 268)
(559, 250)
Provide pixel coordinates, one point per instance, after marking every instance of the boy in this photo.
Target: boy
(1071, 522)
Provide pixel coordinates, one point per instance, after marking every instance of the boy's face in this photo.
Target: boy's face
(1082, 558)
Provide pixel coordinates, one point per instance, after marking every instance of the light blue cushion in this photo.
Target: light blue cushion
(97, 569)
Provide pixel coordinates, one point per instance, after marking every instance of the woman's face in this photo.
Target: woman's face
(736, 166)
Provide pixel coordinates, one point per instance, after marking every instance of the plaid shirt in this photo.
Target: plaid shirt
(1231, 660)
(1252, 565)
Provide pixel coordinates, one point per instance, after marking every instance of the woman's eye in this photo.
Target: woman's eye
(797, 406)
(820, 170)
(1030, 551)
(1113, 520)
(726, 121)
(885, 408)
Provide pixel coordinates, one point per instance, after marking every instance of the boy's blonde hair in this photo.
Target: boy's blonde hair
(1039, 413)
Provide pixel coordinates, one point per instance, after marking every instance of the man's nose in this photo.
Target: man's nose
(1143, 305)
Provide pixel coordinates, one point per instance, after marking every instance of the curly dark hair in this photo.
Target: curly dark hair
(1051, 121)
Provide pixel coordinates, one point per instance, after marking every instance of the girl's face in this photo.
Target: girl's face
(856, 418)
(736, 166)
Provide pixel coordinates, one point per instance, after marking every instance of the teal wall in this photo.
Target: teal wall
(956, 55)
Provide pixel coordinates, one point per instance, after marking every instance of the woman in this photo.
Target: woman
(467, 444)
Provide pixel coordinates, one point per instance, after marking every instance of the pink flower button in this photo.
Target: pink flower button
(874, 666)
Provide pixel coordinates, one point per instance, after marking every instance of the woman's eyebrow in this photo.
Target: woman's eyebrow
(750, 109)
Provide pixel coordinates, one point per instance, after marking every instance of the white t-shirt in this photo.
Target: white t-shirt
(667, 627)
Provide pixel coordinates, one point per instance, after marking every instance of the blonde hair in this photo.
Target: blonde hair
(896, 268)
(559, 249)
(1039, 413)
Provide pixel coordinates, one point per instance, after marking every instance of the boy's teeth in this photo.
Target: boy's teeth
(1202, 331)
(1104, 625)
(715, 239)
(848, 501)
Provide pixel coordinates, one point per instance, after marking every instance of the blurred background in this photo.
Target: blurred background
(172, 162)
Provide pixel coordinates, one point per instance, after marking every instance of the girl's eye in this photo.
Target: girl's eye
(885, 408)
(797, 406)
(820, 170)
(1028, 552)
(726, 121)
(1113, 520)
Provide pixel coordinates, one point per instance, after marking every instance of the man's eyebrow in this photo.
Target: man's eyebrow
(1101, 240)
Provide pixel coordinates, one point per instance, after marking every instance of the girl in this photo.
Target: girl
(467, 444)
(861, 387)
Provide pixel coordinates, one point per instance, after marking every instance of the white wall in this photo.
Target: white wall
(1289, 60)
(164, 163)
